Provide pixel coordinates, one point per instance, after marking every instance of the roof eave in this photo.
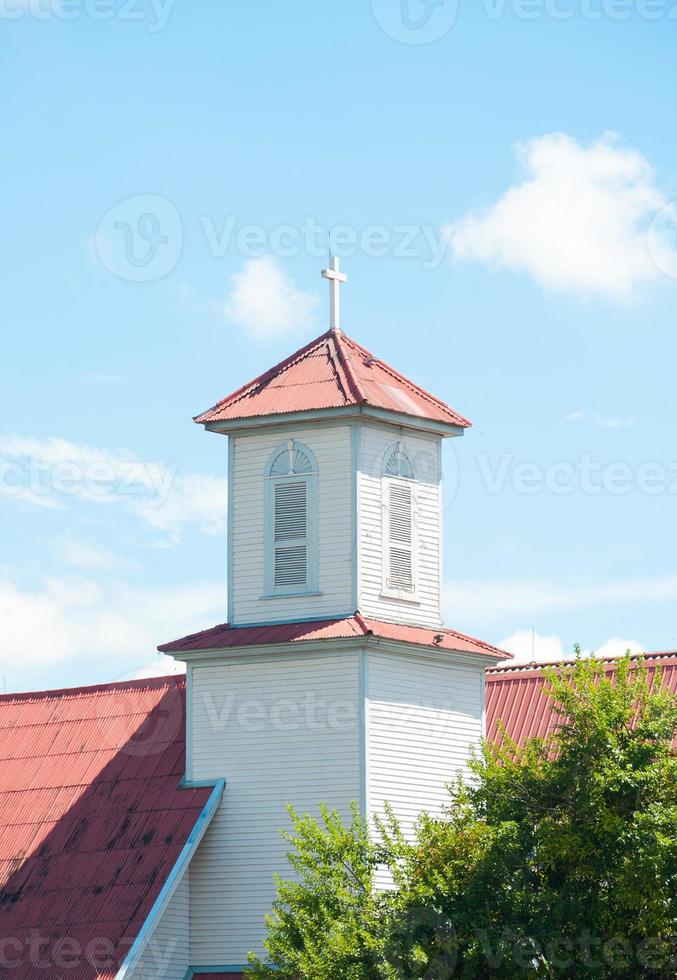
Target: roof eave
(373, 641)
(342, 413)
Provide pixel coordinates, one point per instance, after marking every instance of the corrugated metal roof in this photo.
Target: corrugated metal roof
(91, 819)
(224, 637)
(517, 698)
(332, 371)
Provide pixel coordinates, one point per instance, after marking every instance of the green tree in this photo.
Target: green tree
(330, 921)
(555, 859)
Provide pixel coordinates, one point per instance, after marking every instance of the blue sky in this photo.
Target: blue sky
(501, 184)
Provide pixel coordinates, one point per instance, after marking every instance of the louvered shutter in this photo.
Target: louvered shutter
(290, 503)
(400, 537)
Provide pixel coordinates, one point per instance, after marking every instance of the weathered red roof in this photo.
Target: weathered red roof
(91, 818)
(516, 695)
(224, 637)
(332, 371)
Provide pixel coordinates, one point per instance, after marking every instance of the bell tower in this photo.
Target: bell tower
(334, 486)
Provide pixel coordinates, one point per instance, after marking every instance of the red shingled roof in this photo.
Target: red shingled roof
(516, 695)
(225, 637)
(91, 819)
(331, 372)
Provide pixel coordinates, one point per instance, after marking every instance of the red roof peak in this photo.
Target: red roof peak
(332, 371)
(224, 636)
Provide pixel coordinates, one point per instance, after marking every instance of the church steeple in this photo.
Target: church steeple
(354, 522)
(333, 679)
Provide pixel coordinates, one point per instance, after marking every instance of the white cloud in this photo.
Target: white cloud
(493, 600)
(616, 647)
(53, 472)
(577, 220)
(528, 646)
(161, 666)
(67, 619)
(600, 421)
(265, 302)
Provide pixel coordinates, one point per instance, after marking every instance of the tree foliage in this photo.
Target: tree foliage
(555, 859)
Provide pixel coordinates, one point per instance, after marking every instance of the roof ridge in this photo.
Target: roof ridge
(412, 385)
(538, 665)
(334, 358)
(338, 339)
(362, 623)
(148, 683)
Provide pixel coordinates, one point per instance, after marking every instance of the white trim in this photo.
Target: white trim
(171, 884)
(189, 723)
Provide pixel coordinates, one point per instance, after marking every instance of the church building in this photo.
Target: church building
(140, 821)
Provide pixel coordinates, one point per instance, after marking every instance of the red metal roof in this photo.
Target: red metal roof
(516, 695)
(225, 637)
(332, 371)
(91, 820)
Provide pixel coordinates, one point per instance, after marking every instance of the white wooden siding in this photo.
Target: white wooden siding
(332, 448)
(422, 718)
(298, 756)
(424, 453)
(167, 955)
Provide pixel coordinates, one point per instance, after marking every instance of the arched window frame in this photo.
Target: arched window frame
(275, 479)
(399, 579)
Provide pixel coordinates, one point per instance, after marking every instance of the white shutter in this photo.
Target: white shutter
(290, 533)
(400, 537)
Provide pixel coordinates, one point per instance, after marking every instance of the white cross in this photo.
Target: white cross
(335, 278)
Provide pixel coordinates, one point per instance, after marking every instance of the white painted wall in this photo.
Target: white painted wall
(332, 448)
(424, 452)
(422, 717)
(167, 955)
(283, 730)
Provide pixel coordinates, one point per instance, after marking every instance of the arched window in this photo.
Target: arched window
(291, 521)
(398, 464)
(399, 539)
